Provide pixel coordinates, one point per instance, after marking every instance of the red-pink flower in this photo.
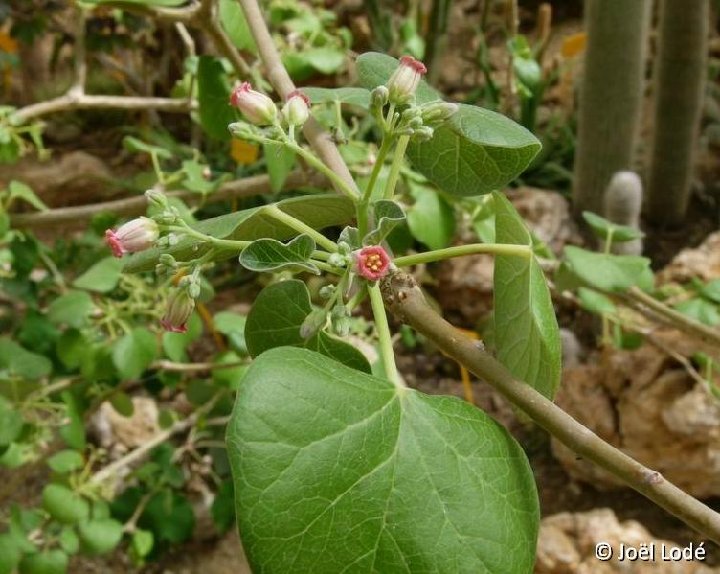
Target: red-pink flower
(135, 235)
(371, 262)
(180, 306)
(256, 107)
(296, 109)
(405, 79)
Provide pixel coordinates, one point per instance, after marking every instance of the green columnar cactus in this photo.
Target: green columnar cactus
(679, 88)
(623, 201)
(610, 96)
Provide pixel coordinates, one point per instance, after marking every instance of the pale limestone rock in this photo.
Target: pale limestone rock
(566, 545)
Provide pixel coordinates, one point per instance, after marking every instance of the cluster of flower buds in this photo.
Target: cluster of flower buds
(408, 118)
(136, 235)
(260, 111)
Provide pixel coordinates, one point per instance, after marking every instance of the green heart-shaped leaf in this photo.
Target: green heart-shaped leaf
(388, 215)
(275, 320)
(338, 471)
(526, 330)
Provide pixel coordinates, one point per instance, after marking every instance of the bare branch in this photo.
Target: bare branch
(404, 298)
(247, 187)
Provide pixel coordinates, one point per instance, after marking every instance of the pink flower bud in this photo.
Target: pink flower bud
(180, 306)
(371, 262)
(405, 79)
(296, 109)
(257, 108)
(135, 235)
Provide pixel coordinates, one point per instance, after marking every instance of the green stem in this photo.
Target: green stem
(387, 354)
(363, 207)
(318, 164)
(328, 268)
(276, 213)
(460, 250)
(396, 165)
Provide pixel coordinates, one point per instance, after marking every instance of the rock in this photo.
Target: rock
(72, 179)
(702, 262)
(645, 404)
(120, 433)
(567, 541)
(465, 283)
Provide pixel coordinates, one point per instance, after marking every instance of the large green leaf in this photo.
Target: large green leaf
(475, 152)
(526, 330)
(374, 69)
(337, 471)
(318, 211)
(213, 98)
(271, 254)
(275, 320)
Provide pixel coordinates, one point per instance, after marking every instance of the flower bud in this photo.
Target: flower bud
(313, 323)
(296, 109)
(135, 235)
(156, 198)
(438, 112)
(371, 262)
(424, 133)
(180, 306)
(379, 97)
(256, 107)
(405, 79)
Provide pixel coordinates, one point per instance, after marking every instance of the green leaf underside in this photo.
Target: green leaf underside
(608, 272)
(270, 254)
(356, 96)
(317, 211)
(526, 330)
(374, 69)
(388, 215)
(337, 472)
(475, 152)
(275, 320)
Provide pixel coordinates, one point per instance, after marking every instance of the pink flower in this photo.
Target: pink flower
(296, 109)
(371, 262)
(257, 108)
(180, 306)
(405, 79)
(135, 235)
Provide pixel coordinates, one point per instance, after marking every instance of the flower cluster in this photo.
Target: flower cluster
(405, 117)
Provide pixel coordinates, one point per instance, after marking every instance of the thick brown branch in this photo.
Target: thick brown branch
(403, 297)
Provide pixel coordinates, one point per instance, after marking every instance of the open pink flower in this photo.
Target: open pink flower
(180, 306)
(135, 235)
(255, 106)
(371, 262)
(405, 79)
(296, 109)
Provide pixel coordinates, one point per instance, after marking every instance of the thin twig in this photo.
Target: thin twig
(318, 138)
(405, 299)
(73, 101)
(246, 187)
(172, 366)
(640, 300)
